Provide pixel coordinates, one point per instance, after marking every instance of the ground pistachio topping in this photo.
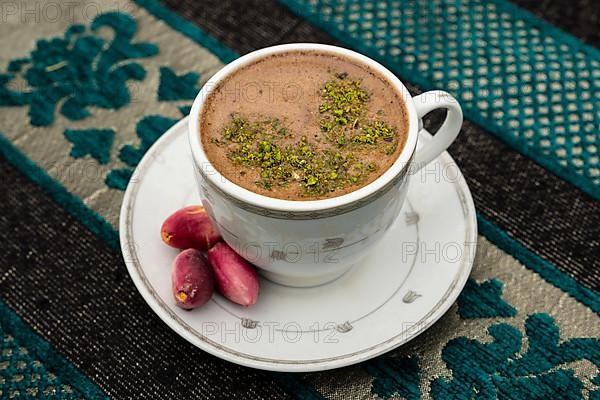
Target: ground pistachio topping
(337, 161)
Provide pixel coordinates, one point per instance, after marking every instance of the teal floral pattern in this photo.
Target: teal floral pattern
(83, 69)
(148, 129)
(175, 87)
(395, 376)
(483, 300)
(79, 70)
(94, 142)
(500, 370)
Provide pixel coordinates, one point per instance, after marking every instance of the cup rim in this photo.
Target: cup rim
(253, 199)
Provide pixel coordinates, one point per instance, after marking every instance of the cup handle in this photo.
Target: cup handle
(427, 102)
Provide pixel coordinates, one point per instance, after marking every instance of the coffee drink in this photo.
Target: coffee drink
(303, 126)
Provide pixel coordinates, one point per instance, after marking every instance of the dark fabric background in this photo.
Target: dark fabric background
(581, 18)
(75, 292)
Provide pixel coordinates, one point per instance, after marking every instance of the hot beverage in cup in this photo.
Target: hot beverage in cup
(303, 126)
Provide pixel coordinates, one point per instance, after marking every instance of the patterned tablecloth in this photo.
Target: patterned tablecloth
(87, 86)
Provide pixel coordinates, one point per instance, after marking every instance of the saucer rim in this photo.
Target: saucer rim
(217, 349)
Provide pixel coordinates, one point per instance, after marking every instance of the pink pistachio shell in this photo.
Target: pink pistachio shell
(192, 279)
(236, 278)
(189, 228)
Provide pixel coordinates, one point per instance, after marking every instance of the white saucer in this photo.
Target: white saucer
(406, 284)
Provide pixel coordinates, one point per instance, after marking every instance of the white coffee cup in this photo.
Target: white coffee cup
(308, 243)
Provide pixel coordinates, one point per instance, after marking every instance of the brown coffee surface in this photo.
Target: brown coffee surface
(283, 127)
